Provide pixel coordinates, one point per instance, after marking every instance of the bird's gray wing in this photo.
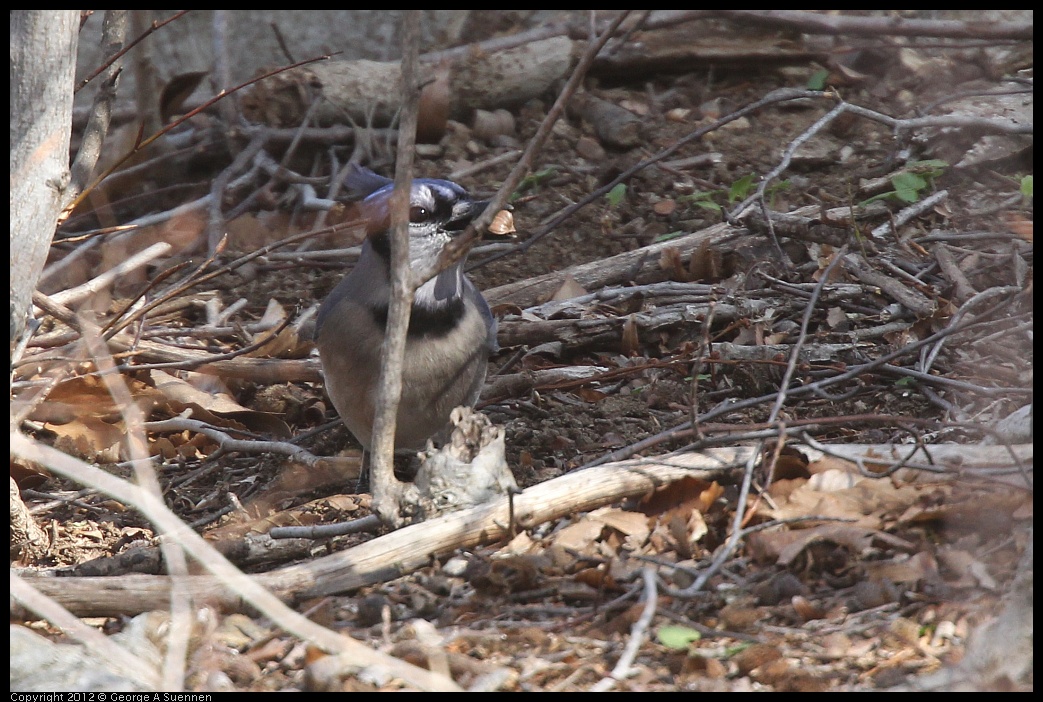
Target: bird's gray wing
(472, 293)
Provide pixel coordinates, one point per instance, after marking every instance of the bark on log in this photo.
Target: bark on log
(413, 547)
(368, 92)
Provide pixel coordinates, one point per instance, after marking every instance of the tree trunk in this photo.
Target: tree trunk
(43, 59)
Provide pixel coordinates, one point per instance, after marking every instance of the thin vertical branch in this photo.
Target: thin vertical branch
(114, 33)
(387, 491)
(173, 673)
(458, 247)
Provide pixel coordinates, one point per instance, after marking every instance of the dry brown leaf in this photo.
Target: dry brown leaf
(176, 91)
(921, 567)
(791, 465)
(90, 438)
(633, 524)
(434, 105)
(89, 424)
(696, 491)
(872, 503)
(678, 114)
(703, 666)
(590, 395)
(706, 263)
(740, 617)
(501, 576)
(670, 261)
(579, 536)
(837, 319)
(488, 125)
(806, 609)
(969, 571)
(630, 345)
(665, 208)
(210, 402)
(568, 289)
(1019, 225)
(785, 547)
(502, 224)
(195, 389)
(597, 579)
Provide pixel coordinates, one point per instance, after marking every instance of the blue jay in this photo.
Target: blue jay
(451, 329)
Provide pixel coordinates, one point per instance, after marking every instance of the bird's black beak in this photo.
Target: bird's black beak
(461, 220)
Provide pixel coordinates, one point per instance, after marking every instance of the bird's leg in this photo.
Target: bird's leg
(362, 483)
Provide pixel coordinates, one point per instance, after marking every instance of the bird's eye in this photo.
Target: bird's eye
(418, 213)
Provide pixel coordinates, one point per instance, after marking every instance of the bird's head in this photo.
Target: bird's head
(439, 210)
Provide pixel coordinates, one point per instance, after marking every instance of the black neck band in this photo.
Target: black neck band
(424, 321)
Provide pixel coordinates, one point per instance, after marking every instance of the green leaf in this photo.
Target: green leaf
(908, 181)
(908, 186)
(907, 196)
(696, 196)
(817, 81)
(741, 188)
(1026, 186)
(931, 167)
(533, 180)
(668, 237)
(880, 196)
(702, 198)
(617, 194)
(735, 650)
(676, 637)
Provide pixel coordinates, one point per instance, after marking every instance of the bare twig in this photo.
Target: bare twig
(387, 491)
(928, 357)
(228, 444)
(115, 57)
(818, 23)
(787, 156)
(794, 358)
(810, 388)
(1000, 126)
(123, 661)
(776, 96)
(216, 222)
(114, 31)
(327, 531)
(907, 214)
(81, 292)
(173, 555)
(459, 247)
(638, 635)
(248, 588)
(174, 124)
(223, 67)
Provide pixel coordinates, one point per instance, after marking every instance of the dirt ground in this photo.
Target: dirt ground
(888, 606)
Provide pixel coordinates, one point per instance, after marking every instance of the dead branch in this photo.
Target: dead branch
(358, 89)
(639, 266)
(412, 547)
(818, 23)
(244, 587)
